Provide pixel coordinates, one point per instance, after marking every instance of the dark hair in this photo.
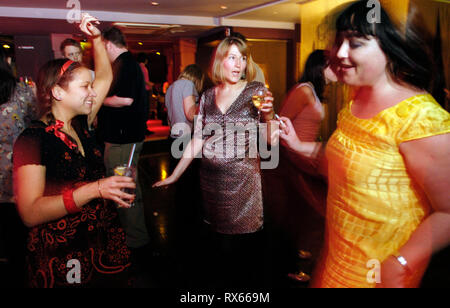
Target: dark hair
(49, 76)
(115, 36)
(239, 35)
(7, 80)
(69, 42)
(408, 60)
(313, 72)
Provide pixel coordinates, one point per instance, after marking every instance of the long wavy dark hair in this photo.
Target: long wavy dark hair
(7, 79)
(408, 59)
(313, 72)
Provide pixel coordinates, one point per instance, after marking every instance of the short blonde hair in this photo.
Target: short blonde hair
(222, 50)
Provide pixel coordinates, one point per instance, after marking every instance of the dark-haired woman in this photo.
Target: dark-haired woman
(303, 103)
(303, 106)
(17, 109)
(388, 206)
(62, 195)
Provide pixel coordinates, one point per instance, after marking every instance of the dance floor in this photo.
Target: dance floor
(177, 263)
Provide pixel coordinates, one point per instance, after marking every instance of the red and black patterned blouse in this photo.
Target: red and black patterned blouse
(93, 237)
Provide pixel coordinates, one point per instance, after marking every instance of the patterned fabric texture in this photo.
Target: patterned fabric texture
(93, 236)
(373, 204)
(15, 116)
(230, 176)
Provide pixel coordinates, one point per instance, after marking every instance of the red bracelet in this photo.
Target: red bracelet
(69, 202)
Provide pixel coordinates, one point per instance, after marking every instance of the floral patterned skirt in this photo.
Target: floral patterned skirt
(86, 249)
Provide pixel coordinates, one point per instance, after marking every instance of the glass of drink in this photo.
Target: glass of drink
(258, 99)
(124, 170)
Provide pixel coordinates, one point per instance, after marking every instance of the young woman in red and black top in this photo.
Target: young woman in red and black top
(60, 186)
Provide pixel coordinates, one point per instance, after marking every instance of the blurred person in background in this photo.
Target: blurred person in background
(17, 109)
(303, 106)
(122, 123)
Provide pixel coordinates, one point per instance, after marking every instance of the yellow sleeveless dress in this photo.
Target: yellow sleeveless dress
(373, 206)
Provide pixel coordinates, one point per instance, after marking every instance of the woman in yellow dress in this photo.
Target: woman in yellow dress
(388, 206)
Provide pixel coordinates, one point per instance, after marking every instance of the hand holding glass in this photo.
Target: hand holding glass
(124, 170)
(258, 98)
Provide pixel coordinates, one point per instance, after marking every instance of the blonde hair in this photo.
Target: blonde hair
(194, 73)
(222, 50)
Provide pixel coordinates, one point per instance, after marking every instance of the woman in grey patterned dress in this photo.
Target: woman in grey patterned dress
(226, 135)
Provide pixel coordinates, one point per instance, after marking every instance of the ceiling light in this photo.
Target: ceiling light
(140, 43)
(154, 3)
(6, 46)
(223, 7)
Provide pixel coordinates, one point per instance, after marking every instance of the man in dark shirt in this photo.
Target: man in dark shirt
(122, 123)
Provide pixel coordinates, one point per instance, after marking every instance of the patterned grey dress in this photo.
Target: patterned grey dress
(230, 175)
(15, 116)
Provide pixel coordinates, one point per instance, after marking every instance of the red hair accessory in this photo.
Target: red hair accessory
(65, 67)
(56, 128)
(69, 202)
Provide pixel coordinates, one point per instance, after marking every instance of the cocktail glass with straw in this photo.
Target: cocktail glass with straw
(127, 170)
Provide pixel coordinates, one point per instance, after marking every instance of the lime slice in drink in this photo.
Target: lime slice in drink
(120, 170)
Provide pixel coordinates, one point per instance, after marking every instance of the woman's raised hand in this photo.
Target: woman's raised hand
(87, 25)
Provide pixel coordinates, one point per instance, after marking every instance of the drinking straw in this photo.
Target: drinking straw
(130, 159)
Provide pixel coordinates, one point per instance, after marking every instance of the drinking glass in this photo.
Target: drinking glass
(258, 99)
(124, 170)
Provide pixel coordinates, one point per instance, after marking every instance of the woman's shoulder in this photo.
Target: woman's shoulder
(209, 92)
(22, 95)
(30, 145)
(179, 83)
(255, 84)
(305, 92)
(31, 137)
(422, 102)
(21, 92)
(36, 128)
(184, 85)
(183, 81)
(422, 109)
(420, 116)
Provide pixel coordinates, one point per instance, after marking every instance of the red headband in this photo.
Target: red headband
(65, 67)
